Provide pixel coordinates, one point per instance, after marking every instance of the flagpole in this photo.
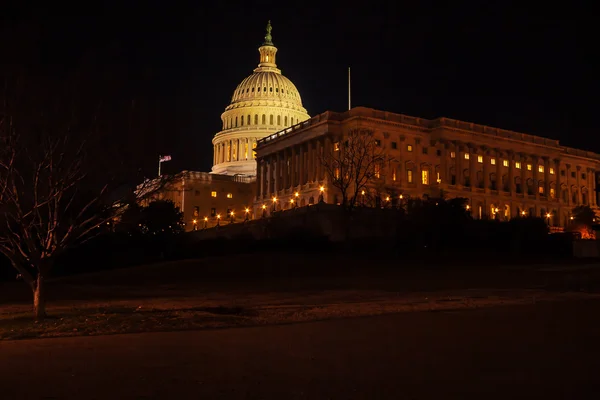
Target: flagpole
(349, 93)
(159, 162)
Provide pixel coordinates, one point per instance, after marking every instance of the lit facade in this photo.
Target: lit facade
(209, 199)
(263, 103)
(503, 174)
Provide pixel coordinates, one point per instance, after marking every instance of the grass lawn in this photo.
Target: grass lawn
(270, 288)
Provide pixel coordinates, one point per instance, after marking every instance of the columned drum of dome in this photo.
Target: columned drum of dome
(263, 103)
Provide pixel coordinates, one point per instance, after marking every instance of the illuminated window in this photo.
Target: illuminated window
(540, 168)
(234, 152)
(409, 147)
(541, 190)
(552, 193)
(229, 195)
(452, 154)
(254, 152)
(425, 177)
(505, 163)
(246, 150)
(517, 164)
(479, 159)
(409, 176)
(493, 161)
(466, 156)
(228, 152)
(336, 146)
(394, 174)
(551, 171)
(377, 171)
(213, 194)
(528, 167)
(337, 173)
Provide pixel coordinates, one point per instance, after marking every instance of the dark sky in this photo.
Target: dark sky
(176, 64)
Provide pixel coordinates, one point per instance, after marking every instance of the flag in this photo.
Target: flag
(164, 158)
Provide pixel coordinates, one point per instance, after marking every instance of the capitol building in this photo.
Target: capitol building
(263, 103)
(267, 158)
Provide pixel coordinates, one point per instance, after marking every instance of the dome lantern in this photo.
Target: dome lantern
(267, 53)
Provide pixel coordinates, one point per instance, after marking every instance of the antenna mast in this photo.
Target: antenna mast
(349, 93)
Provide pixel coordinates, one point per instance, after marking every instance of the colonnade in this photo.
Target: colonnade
(241, 149)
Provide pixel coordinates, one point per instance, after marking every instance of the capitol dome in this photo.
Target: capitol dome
(263, 103)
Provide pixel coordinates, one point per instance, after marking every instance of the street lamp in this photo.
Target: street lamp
(274, 203)
(297, 196)
(523, 213)
(205, 222)
(548, 215)
(232, 215)
(247, 213)
(218, 219)
(195, 222)
(321, 190)
(264, 208)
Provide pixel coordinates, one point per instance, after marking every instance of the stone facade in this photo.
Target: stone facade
(208, 199)
(503, 174)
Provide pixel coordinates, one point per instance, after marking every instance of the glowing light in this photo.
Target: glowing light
(296, 194)
(247, 210)
(205, 218)
(321, 189)
(218, 216)
(387, 198)
(292, 201)
(468, 207)
(232, 213)
(363, 193)
(274, 199)
(523, 212)
(401, 196)
(548, 215)
(263, 206)
(195, 221)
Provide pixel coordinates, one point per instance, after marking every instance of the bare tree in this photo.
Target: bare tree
(58, 181)
(354, 163)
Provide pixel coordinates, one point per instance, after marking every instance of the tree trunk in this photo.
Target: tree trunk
(39, 297)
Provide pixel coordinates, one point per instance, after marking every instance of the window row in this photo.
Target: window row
(265, 89)
(214, 194)
(247, 120)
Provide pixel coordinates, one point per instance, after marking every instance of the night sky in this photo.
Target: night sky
(174, 65)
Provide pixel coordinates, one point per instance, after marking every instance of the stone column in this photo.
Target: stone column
(568, 180)
(444, 175)
(301, 170)
(499, 162)
(577, 179)
(524, 176)
(557, 191)
(547, 177)
(259, 168)
(592, 187)
(535, 166)
(286, 168)
(472, 166)
(486, 170)
(511, 175)
(319, 149)
(459, 163)
(268, 178)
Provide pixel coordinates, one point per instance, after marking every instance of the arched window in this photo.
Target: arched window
(242, 120)
(264, 119)
(248, 119)
(271, 119)
(279, 120)
(255, 119)
(285, 120)
(271, 89)
(236, 122)
(518, 185)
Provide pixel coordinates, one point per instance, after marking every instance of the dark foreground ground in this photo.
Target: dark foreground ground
(537, 351)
